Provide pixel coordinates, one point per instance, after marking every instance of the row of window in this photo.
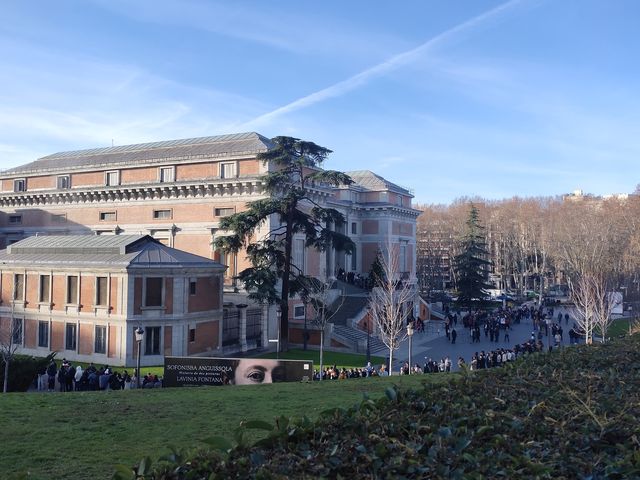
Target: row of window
(70, 335)
(112, 216)
(73, 293)
(151, 344)
(165, 214)
(112, 178)
(152, 298)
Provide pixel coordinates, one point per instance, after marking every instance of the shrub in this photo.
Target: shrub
(23, 369)
(567, 414)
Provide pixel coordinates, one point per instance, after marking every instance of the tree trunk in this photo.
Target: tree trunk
(6, 375)
(284, 299)
(390, 361)
(321, 352)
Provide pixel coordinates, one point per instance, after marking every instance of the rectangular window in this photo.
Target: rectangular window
(227, 170)
(64, 182)
(399, 200)
(20, 185)
(161, 214)
(152, 341)
(15, 219)
(16, 334)
(72, 289)
(43, 334)
(101, 291)
(60, 218)
(112, 178)
(166, 174)
(70, 336)
(298, 311)
(18, 286)
(100, 341)
(192, 287)
(354, 259)
(45, 289)
(108, 216)
(298, 253)
(354, 228)
(403, 258)
(153, 295)
(224, 212)
(192, 335)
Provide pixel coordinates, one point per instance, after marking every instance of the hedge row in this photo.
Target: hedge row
(23, 371)
(570, 414)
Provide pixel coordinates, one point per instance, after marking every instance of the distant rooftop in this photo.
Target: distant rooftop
(371, 181)
(100, 250)
(189, 148)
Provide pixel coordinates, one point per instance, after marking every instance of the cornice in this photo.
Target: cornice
(128, 193)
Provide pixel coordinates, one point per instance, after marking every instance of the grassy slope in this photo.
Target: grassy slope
(84, 434)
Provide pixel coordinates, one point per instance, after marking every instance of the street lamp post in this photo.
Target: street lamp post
(366, 324)
(410, 334)
(278, 315)
(139, 336)
(305, 334)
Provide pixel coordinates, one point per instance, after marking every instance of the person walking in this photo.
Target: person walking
(454, 335)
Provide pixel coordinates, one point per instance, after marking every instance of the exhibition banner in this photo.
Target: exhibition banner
(198, 371)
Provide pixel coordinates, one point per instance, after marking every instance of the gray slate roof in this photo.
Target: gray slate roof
(371, 181)
(106, 251)
(143, 153)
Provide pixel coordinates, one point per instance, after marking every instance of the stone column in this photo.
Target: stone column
(242, 310)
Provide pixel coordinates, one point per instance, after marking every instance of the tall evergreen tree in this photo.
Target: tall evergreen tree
(471, 265)
(295, 168)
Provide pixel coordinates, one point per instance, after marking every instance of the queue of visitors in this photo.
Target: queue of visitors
(70, 378)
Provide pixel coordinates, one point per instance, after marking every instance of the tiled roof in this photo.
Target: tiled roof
(75, 244)
(143, 153)
(371, 181)
(125, 251)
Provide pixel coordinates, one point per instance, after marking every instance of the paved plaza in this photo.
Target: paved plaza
(433, 343)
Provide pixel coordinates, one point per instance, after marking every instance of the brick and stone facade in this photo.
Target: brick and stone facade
(177, 191)
(83, 297)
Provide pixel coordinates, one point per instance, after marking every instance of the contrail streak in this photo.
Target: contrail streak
(393, 63)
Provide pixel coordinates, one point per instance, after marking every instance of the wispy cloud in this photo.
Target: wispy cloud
(85, 102)
(389, 65)
(264, 24)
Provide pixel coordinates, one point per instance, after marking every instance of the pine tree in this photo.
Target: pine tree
(295, 169)
(471, 265)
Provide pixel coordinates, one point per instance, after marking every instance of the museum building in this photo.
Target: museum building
(177, 191)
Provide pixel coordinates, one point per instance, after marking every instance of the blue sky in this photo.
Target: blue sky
(448, 98)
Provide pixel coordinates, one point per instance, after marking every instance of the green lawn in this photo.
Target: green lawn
(347, 360)
(84, 434)
(618, 328)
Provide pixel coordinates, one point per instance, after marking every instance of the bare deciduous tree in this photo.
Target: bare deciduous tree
(10, 332)
(584, 292)
(391, 301)
(325, 302)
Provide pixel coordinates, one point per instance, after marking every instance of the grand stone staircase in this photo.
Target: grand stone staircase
(350, 306)
(358, 339)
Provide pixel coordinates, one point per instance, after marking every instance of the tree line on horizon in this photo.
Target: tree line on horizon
(533, 243)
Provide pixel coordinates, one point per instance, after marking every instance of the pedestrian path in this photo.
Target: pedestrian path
(434, 344)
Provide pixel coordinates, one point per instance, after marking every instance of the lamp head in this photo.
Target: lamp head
(139, 334)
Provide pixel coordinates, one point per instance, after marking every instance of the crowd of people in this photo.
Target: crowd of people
(335, 373)
(73, 378)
